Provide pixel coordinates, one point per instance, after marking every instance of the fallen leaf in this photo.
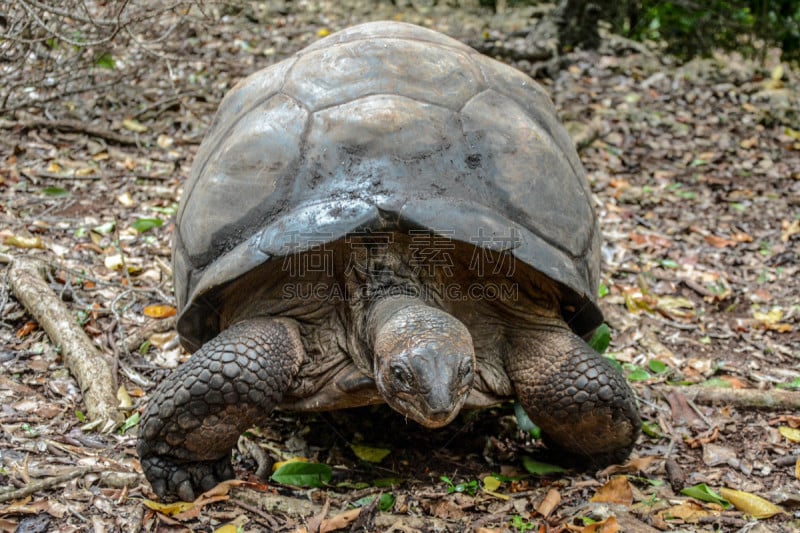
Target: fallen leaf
(169, 509)
(124, 398)
(549, 503)
(791, 434)
(616, 490)
(26, 329)
(18, 241)
(126, 199)
(637, 464)
(689, 511)
(160, 311)
(771, 320)
(277, 465)
(369, 454)
(789, 228)
(755, 506)
(609, 525)
(339, 521)
(134, 125)
(719, 242)
(675, 307)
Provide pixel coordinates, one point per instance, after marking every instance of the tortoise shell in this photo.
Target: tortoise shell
(383, 125)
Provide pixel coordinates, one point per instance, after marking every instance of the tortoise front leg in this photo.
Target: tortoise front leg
(578, 399)
(195, 417)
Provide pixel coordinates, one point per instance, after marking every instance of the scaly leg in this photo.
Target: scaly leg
(195, 417)
(578, 399)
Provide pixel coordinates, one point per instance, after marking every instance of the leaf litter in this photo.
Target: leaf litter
(696, 178)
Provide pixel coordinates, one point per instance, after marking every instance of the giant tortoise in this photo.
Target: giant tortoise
(386, 217)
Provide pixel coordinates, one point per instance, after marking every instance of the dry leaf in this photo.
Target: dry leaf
(609, 525)
(789, 228)
(719, 242)
(160, 311)
(616, 490)
(688, 511)
(755, 506)
(26, 329)
(637, 464)
(771, 320)
(18, 241)
(134, 125)
(675, 307)
(339, 521)
(791, 434)
(124, 398)
(549, 503)
(169, 509)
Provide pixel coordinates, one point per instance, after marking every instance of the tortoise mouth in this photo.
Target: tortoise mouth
(431, 419)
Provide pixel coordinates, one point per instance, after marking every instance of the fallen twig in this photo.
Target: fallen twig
(298, 508)
(774, 399)
(42, 484)
(75, 126)
(91, 370)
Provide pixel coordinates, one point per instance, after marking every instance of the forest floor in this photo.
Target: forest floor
(695, 171)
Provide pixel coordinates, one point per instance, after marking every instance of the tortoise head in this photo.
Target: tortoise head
(424, 360)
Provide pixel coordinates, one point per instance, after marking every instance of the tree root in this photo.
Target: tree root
(88, 366)
(772, 399)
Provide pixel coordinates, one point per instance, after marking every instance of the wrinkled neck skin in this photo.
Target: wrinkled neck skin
(424, 360)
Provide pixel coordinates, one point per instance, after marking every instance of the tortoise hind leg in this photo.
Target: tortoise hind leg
(196, 415)
(580, 401)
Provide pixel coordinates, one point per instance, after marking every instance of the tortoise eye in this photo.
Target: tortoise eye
(402, 378)
(465, 371)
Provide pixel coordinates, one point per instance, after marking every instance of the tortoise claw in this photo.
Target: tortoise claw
(185, 480)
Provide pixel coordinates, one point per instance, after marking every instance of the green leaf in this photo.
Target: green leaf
(144, 347)
(651, 430)
(791, 385)
(657, 366)
(602, 290)
(668, 263)
(539, 468)
(298, 474)
(616, 364)
(636, 373)
(130, 422)
(369, 454)
(105, 61)
(387, 482)
(525, 423)
(104, 229)
(469, 487)
(520, 524)
(57, 192)
(716, 382)
(384, 504)
(703, 493)
(80, 416)
(601, 339)
(146, 224)
(350, 485)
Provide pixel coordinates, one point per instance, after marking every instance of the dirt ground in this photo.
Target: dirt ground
(695, 171)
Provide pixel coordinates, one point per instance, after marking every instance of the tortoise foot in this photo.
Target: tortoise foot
(582, 403)
(185, 480)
